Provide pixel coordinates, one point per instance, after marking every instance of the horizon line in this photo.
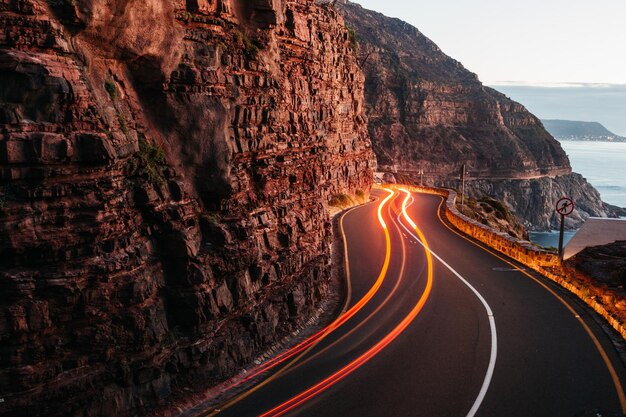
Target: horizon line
(565, 84)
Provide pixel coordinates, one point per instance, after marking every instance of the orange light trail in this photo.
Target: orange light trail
(321, 334)
(404, 206)
(374, 350)
(373, 313)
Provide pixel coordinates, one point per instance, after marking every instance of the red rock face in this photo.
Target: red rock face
(164, 173)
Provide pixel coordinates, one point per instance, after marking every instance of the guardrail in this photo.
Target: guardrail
(542, 261)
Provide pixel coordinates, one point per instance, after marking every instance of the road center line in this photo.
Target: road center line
(492, 322)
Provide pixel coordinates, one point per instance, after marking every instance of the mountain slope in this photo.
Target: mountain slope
(427, 112)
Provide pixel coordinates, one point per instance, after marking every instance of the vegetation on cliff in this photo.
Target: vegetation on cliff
(494, 214)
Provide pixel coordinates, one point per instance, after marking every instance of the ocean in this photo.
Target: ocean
(603, 164)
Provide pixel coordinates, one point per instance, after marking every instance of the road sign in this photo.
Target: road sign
(565, 206)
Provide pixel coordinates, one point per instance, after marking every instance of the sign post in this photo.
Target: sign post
(565, 207)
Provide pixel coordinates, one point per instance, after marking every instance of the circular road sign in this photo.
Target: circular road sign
(565, 206)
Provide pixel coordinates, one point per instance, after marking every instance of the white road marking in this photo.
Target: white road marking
(492, 324)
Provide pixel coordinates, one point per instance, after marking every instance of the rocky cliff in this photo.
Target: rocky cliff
(165, 169)
(428, 114)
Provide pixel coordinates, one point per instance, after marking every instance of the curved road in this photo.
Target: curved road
(436, 325)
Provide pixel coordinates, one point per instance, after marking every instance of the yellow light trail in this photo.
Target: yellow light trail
(373, 313)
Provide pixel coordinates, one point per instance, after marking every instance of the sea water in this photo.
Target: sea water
(550, 239)
(603, 164)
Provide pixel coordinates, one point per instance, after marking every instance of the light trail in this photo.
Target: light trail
(373, 313)
(304, 346)
(369, 354)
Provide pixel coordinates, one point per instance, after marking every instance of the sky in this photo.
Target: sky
(532, 42)
(589, 103)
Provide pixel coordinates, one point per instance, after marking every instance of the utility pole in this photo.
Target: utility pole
(462, 185)
(421, 172)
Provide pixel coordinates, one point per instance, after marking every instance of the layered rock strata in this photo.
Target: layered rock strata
(165, 169)
(428, 114)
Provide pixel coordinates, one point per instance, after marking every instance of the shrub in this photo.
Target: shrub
(250, 47)
(501, 210)
(340, 200)
(7, 194)
(111, 88)
(619, 276)
(123, 124)
(185, 16)
(351, 37)
(150, 162)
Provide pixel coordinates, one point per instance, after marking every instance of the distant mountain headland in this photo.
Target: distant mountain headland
(583, 131)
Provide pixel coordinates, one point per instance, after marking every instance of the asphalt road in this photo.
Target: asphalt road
(452, 330)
